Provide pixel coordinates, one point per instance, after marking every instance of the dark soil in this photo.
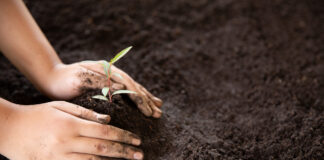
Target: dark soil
(239, 79)
(155, 134)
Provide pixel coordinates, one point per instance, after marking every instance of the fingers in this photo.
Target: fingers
(91, 77)
(146, 104)
(145, 101)
(95, 67)
(81, 112)
(82, 156)
(157, 101)
(117, 86)
(99, 147)
(153, 102)
(107, 132)
(157, 113)
(141, 103)
(94, 77)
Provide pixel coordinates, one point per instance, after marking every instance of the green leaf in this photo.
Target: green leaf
(120, 55)
(105, 91)
(101, 97)
(105, 65)
(118, 75)
(109, 68)
(124, 92)
(89, 61)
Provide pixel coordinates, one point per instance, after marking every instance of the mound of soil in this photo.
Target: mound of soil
(239, 79)
(155, 135)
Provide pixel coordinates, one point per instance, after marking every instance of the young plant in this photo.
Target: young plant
(106, 91)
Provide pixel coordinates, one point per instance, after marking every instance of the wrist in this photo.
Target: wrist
(7, 116)
(48, 81)
(58, 80)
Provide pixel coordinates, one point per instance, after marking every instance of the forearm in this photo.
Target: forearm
(24, 44)
(7, 109)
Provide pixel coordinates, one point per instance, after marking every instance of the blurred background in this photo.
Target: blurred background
(240, 79)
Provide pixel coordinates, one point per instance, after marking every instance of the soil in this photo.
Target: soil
(239, 79)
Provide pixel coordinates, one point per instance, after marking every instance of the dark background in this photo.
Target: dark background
(240, 79)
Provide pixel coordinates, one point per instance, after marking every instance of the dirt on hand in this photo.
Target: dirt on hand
(239, 79)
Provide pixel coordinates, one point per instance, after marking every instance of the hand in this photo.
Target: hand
(68, 81)
(27, 48)
(64, 131)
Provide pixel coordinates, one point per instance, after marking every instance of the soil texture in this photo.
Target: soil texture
(239, 79)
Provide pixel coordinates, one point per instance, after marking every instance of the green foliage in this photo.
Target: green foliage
(105, 91)
(118, 75)
(107, 69)
(89, 61)
(124, 92)
(120, 55)
(101, 97)
(106, 66)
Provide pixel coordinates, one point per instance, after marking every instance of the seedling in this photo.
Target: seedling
(106, 91)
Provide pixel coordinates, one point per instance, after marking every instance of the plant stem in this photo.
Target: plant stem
(109, 84)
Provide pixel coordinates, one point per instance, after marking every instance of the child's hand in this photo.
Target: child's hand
(68, 81)
(27, 48)
(61, 130)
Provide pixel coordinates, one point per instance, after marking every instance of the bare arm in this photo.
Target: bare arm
(61, 130)
(6, 110)
(24, 44)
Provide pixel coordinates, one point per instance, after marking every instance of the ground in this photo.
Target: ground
(239, 79)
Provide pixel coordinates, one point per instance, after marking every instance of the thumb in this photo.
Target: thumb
(81, 112)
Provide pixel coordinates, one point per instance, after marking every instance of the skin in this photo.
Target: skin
(60, 130)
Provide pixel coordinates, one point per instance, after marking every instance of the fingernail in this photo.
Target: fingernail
(146, 110)
(157, 99)
(103, 118)
(149, 110)
(138, 155)
(136, 142)
(157, 114)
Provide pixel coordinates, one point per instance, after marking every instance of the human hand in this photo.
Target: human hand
(64, 131)
(68, 81)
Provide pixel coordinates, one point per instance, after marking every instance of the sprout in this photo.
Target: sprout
(107, 69)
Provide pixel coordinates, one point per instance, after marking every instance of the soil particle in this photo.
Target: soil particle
(239, 79)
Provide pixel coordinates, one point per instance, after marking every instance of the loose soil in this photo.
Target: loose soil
(239, 79)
